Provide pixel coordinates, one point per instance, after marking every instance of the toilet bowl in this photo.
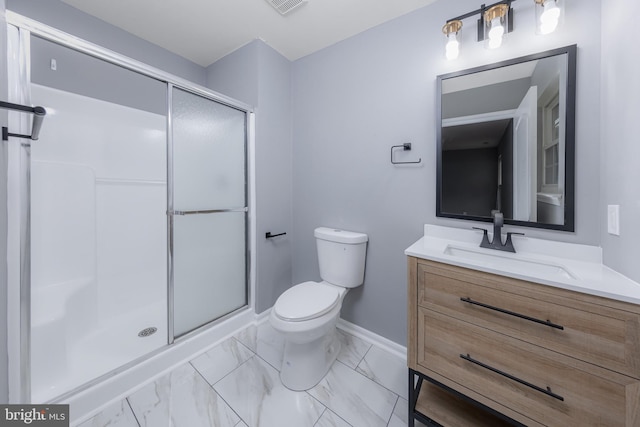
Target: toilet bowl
(308, 312)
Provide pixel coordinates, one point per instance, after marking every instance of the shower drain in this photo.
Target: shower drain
(147, 331)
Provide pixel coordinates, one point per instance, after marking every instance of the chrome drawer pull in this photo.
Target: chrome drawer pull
(546, 391)
(512, 313)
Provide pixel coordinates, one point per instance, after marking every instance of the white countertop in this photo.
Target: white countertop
(563, 265)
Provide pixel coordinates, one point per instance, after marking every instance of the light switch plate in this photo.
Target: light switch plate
(613, 219)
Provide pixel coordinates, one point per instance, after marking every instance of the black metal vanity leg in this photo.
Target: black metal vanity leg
(411, 422)
(414, 391)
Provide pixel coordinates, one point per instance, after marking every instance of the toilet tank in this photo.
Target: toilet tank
(341, 256)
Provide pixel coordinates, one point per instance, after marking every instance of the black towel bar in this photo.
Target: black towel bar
(38, 117)
(268, 235)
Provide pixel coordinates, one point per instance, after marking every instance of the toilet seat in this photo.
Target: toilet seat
(305, 301)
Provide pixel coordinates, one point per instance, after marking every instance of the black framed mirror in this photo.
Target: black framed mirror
(506, 141)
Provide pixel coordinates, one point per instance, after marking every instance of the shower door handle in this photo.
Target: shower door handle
(208, 211)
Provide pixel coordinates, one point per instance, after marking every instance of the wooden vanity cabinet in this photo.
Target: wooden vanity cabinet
(502, 351)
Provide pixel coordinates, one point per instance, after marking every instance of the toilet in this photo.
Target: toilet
(308, 312)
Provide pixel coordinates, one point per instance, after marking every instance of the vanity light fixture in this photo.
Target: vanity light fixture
(548, 14)
(495, 21)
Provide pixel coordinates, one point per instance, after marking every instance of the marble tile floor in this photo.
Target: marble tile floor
(237, 384)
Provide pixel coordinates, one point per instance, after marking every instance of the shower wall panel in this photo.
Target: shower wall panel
(98, 239)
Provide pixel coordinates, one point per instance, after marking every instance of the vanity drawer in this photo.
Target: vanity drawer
(515, 376)
(545, 316)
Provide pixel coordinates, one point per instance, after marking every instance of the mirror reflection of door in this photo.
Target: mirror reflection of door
(525, 158)
(502, 142)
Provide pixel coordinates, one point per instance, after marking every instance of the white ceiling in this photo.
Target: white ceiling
(206, 30)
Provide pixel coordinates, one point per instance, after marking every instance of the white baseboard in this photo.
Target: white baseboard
(378, 340)
(263, 317)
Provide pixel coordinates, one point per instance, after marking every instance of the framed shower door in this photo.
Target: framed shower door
(208, 210)
(98, 246)
(128, 218)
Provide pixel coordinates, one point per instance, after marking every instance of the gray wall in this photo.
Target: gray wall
(357, 98)
(98, 79)
(260, 76)
(620, 91)
(236, 75)
(4, 381)
(73, 21)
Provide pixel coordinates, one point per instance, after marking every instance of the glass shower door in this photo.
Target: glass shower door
(98, 219)
(209, 211)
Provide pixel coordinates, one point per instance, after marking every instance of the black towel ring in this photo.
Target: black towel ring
(405, 147)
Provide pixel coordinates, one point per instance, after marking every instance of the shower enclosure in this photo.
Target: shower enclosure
(128, 217)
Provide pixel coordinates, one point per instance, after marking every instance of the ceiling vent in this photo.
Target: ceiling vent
(286, 6)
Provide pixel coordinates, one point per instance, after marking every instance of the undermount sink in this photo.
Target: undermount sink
(514, 263)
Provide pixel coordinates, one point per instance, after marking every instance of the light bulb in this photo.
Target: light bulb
(548, 27)
(452, 48)
(496, 31)
(549, 18)
(495, 43)
(450, 29)
(551, 12)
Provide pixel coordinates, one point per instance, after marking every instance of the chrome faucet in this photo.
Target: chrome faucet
(496, 243)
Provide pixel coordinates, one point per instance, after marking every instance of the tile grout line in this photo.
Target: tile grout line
(228, 373)
(363, 357)
(323, 412)
(350, 338)
(246, 345)
(373, 379)
(326, 408)
(381, 385)
(364, 377)
(132, 411)
(277, 368)
(377, 383)
(218, 394)
(345, 421)
(243, 344)
(216, 391)
(393, 410)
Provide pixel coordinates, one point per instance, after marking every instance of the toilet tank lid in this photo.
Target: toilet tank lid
(340, 236)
